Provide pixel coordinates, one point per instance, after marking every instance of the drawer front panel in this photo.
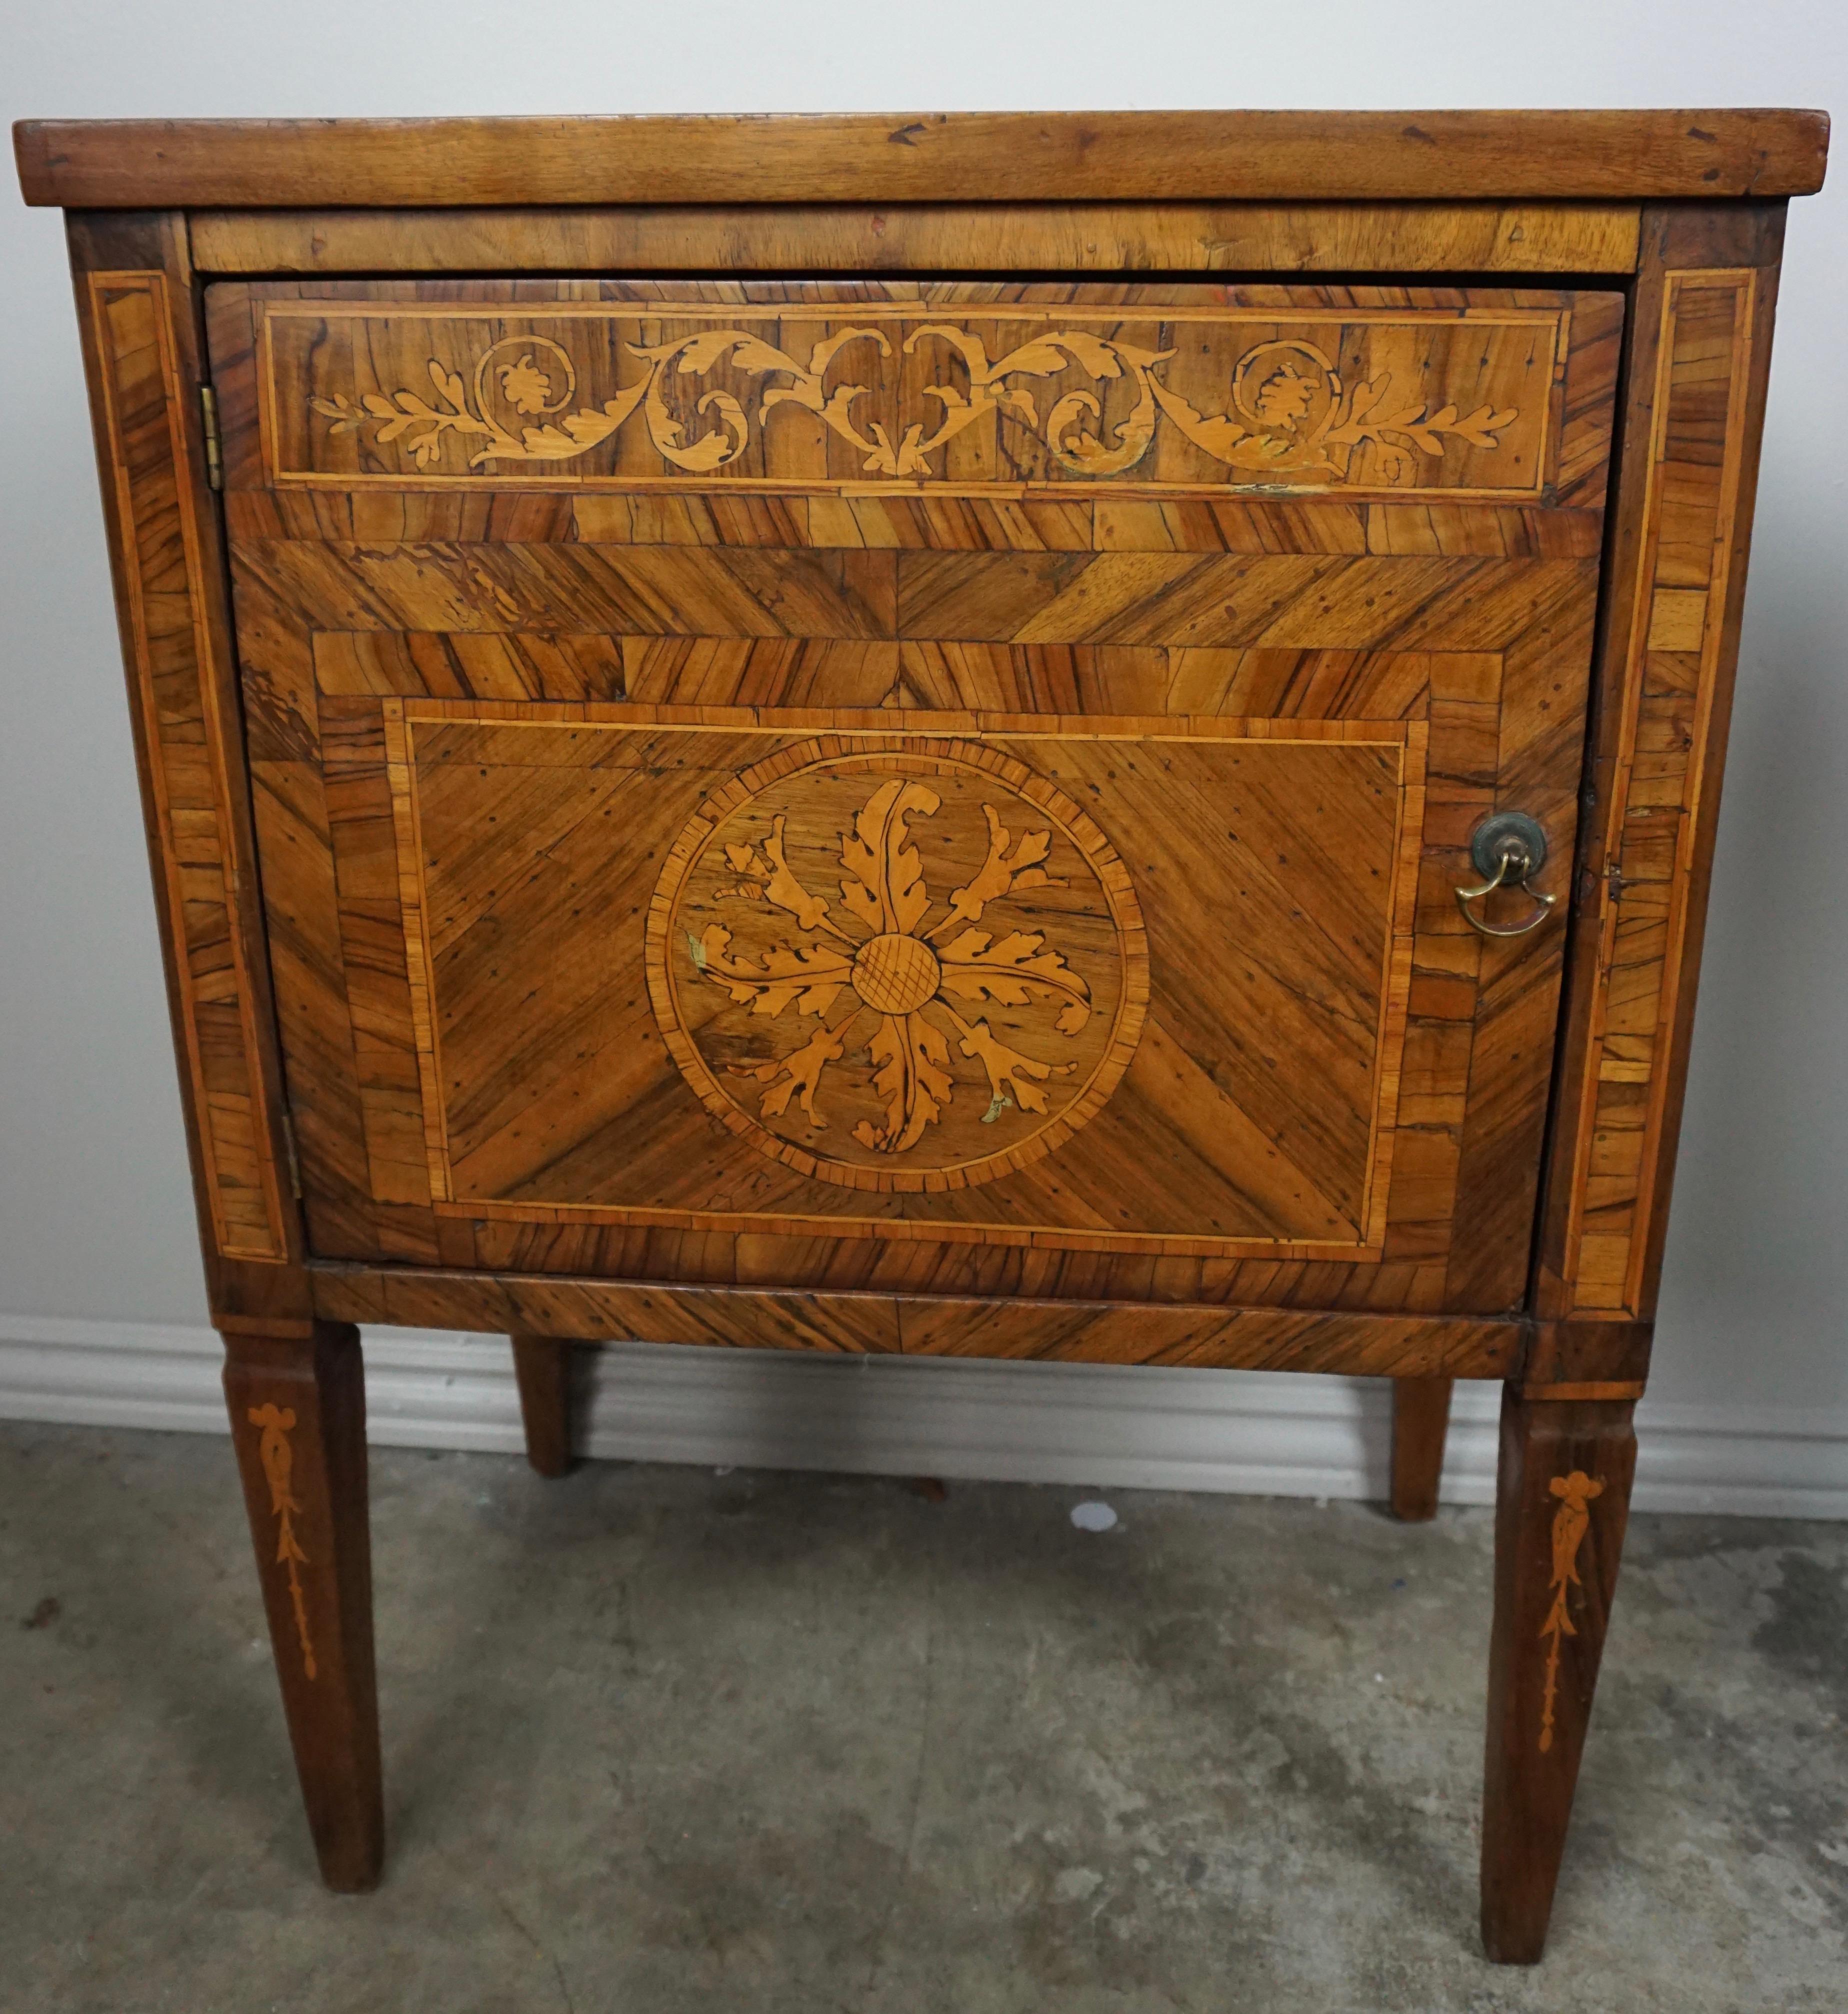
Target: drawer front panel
(978, 809)
(887, 395)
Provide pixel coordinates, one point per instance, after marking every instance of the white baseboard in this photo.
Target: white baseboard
(1269, 1435)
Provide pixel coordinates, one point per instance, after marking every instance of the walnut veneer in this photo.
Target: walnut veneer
(861, 734)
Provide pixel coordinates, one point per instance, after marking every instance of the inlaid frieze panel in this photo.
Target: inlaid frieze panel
(888, 396)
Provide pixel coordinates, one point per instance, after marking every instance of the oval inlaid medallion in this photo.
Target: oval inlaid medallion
(901, 967)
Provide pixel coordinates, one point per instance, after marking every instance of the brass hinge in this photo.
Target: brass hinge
(295, 1166)
(208, 406)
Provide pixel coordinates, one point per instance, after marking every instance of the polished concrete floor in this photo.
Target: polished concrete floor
(661, 1739)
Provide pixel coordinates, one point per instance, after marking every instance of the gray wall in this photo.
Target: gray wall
(96, 1216)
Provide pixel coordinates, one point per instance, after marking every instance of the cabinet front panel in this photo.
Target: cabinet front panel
(911, 978)
(915, 785)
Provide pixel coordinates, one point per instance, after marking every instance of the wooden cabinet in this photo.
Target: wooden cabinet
(712, 777)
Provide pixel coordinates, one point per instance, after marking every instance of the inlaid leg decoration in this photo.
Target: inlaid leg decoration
(1563, 1496)
(542, 1368)
(1420, 1419)
(298, 1412)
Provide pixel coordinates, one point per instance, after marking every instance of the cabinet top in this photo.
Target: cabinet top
(940, 157)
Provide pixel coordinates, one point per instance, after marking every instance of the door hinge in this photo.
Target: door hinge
(208, 406)
(295, 1166)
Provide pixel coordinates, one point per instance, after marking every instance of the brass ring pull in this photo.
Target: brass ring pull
(1508, 849)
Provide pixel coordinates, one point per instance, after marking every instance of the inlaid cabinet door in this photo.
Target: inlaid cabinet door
(912, 785)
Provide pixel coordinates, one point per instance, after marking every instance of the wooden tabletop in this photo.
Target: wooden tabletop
(966, 156)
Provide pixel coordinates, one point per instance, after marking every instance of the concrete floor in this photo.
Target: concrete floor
(658, 1739)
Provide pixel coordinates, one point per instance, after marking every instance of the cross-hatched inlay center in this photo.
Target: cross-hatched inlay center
(895, 974)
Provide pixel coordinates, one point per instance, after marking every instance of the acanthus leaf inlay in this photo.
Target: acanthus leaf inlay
(900, 979)
(1290, 410)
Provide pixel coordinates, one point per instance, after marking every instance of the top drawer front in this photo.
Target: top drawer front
(1267, 594)
(888, 397)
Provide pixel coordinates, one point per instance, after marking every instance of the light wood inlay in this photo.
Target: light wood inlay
(887, 957)
(1598, 1390)
(901, 395)
(1570, 1523)
(1696, 464)
(164, 593)
(807, 802)
(513, 1123)
(1241, 1158)
(276, 1423)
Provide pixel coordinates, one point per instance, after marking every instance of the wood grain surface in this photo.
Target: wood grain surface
(493, 703)
(1102, 238)
(542, 1370)
(939, 1324)
(969, 157)
(1697, 403)
(296, 1393)
(1562, 1502)
(887, 814)
(550, 1093)
(1421, 1418)
(1696, 458)
(940, 394)
(165, 559)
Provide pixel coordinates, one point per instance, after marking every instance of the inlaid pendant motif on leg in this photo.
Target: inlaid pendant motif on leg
(1570, 1524)
(277, 1456)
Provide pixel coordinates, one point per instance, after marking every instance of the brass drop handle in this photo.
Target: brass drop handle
(1508, 849)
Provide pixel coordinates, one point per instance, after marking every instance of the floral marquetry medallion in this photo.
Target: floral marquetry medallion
(897, 971)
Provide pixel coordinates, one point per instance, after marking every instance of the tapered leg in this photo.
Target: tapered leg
(1421, 1418)
(296, 1393)
(542, 1368)
(1562, 1499)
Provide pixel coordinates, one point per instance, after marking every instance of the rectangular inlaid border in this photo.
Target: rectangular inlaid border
(164, 596)
(1671, 671)
(419, 967)
(1411, 738)
(270, 433)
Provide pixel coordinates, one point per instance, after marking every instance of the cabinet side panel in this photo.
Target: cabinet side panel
(1698, 374)
(164, 558)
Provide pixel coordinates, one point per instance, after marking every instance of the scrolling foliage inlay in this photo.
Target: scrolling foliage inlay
(1347, 399)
